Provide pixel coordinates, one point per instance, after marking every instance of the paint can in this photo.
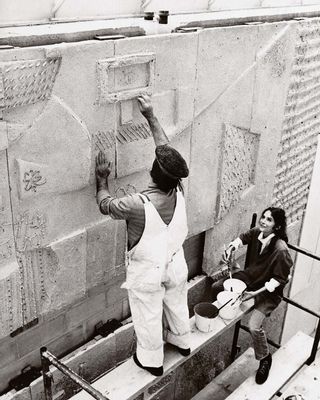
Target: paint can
(228, 311)
(205, 314)
(234, 285)
(163, 16)
(148, 15)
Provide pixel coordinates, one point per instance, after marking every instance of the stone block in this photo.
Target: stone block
(65, 281)
(79, 313)
(80, 59)
(172, 98)
(30, 340)
(101, 251)
(72, 339)
(240, 44)
(125, 342)
(45, 145)
(115, 294)
(216, 104)
(8, 352)
(3, 134)
(7, 255)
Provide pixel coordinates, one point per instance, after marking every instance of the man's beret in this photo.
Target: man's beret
(171, 162)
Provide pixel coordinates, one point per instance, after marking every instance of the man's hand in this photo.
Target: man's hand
(145, 106)
(103, 166)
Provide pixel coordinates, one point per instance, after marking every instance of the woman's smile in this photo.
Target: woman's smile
(266, 223)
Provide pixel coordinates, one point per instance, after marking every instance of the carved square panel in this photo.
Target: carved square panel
(239, 157)
(125, 77)
(27, 82)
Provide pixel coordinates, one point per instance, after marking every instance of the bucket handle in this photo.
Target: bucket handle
(225, 304)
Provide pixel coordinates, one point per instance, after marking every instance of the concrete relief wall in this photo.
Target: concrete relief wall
(220, 95)
(60, 105)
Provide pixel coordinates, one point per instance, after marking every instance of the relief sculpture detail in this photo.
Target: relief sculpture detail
(239, 157)
(300, 127)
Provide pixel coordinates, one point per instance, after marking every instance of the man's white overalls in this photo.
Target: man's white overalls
(157, 284)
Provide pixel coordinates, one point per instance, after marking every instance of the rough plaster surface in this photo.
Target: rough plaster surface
(239, 157)
(300, 126)
(223, 96)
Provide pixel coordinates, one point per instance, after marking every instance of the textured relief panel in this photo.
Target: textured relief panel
(125, 77)
(27, 82)
(301, 125)
(12, 302)
(30, 230)
(125, 134)
(239, 156)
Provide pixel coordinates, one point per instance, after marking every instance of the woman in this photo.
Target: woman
(269, 267)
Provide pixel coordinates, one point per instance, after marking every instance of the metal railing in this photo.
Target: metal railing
(238, 325)
(48, 359)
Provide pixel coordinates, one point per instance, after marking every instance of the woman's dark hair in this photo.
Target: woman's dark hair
(280, 220)
(163, 181)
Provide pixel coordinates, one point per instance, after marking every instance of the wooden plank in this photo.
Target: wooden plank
(229, 379)
(286, 362)
(127, 381)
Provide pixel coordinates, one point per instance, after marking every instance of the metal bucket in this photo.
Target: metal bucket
(205, 314)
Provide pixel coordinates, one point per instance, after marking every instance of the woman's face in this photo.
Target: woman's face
(266, 223)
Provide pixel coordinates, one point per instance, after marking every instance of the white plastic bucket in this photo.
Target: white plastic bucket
(230, 310)
(205, 314)
(234, 285)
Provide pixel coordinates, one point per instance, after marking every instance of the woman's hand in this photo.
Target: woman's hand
(103, 166)
(247, 296)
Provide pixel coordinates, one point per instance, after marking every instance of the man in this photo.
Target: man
(157, 227)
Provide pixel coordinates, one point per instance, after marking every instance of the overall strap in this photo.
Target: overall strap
(145, 199)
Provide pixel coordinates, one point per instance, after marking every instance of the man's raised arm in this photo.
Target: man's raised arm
(146, 110)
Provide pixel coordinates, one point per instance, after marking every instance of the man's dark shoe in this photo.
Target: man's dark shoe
(183, 352)
(156, 371)
(263, 370)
